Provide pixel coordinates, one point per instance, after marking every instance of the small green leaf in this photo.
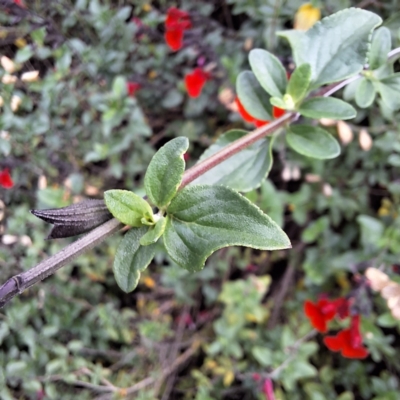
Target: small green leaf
(154, 232)
(119, 87)
(131, 259)
(165, 171)
(336, 47)
(128, 207)
(269, 71)
(253, 97)
(327, 107)
(312, 141)
(380, 46)
(365, 93)
(389, 89)
(278, 102)
(243, 171)
(299, 82)
(202, 219)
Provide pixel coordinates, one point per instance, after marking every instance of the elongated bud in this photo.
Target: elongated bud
(75, 219)
(365, 140)
(1, 101)
(15, 102)
(30, 76)
(344, 131)
(8, 79)
(327, 190)
(286, 174)
(7, 64)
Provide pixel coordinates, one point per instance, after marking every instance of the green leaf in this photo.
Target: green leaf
(336, 47)
(389, 89)
(128, 207)
(269, 71)
(165, 171)
(131, 259)
(202, 219)
(365, 93)
(253, 97)
(371, 230)
(327, 107)
(380, 46)
(312, 141)
(154, 232)
(278, 102)
(243, 171)
(119, 87)
(299, 82)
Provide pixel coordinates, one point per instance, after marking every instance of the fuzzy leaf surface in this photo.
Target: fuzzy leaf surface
(131, 259)
(327, 107)
(253, 97)
(269, 71)
(312, 141)
(165, 171)
(243, 171)
(128, 207)
(202, 219)
(336, 47)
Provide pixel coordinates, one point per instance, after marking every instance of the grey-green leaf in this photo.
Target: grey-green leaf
(131, 259)
(327, 107)
(389, 89)
(253, 97)
(312, 141)
(380, 46)
(243, 171)
(128, 207)
(365, 93)
(202, 219)
(299, 82)
(269, 71)
(165, 171)
(154, 232)
(336, 47)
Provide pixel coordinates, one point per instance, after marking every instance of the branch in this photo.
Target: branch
(18, 283)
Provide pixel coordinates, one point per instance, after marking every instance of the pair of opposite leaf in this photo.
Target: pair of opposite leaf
(194, 221)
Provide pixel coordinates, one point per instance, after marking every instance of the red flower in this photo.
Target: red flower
(247, 117)
(320, 313)
(277, 112)
(195, 82)
(174, 38)
(5, 179)
(176, 23)
(348, 341)
(342, 307)
(132, 88)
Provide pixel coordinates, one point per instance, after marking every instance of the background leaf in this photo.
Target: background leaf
(131, 259)
(243, 171)
(365, 93)
(269, 71)
(202, 219)
(336, 47)
(165, 171)
(312, 141)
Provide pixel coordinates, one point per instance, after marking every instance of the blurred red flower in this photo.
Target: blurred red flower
(320, 313)
(132, 88)
(195, 81)
(348, 341)
(277, 112)
(176, 23)
(5, 179)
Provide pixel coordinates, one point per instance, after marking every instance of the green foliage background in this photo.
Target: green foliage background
(72, 334)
